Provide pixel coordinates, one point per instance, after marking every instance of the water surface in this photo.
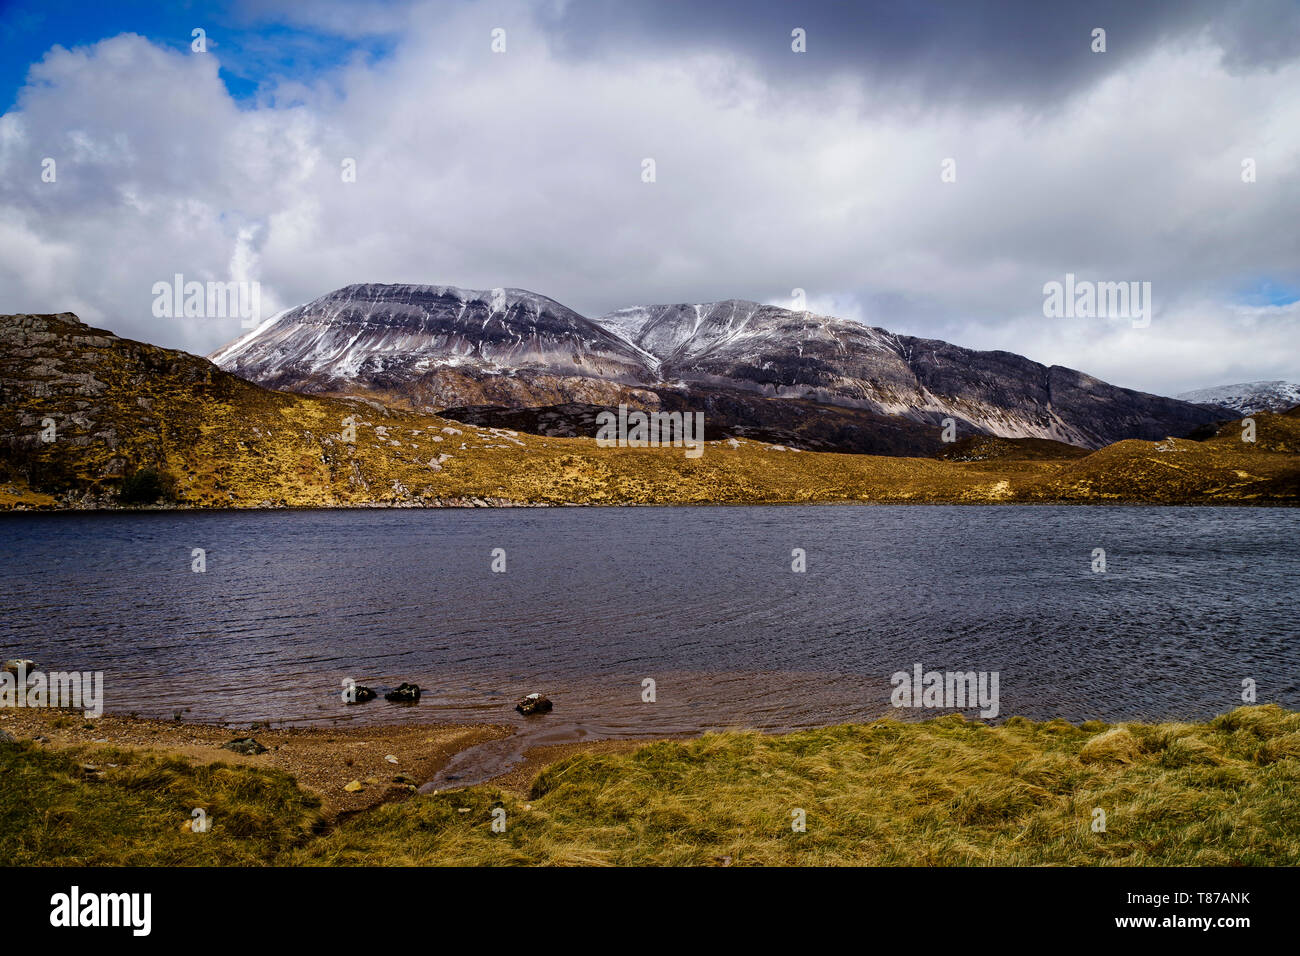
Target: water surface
(701, 600)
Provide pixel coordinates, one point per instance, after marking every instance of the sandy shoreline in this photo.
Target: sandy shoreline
(323, 760)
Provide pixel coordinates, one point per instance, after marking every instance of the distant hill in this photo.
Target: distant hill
(1248, 397)
(128, 422)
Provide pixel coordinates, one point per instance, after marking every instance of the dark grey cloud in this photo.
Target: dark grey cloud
(1263, 34)
(1031, 51)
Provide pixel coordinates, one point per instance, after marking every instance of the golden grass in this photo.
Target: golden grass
(230, 443)
(135, 810)
(944, 792)
(268, 449)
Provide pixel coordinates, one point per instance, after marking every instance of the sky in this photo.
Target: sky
(925, 167)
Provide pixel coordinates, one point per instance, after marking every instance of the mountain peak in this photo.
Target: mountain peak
(376, 335)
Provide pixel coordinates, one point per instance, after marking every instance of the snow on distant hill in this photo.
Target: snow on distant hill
(1248, 397)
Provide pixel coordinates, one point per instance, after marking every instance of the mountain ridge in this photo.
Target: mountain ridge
(435, 347)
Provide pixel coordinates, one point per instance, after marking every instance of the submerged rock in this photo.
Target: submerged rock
(534, 704)
(404, 694)
(246, 746)
(363, 694)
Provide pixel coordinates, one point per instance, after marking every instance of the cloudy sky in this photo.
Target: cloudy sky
(774, 169)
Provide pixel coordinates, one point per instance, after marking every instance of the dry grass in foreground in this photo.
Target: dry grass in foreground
(943, 792)
(127, 808)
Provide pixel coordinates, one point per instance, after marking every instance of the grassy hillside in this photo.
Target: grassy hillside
(124, 410)
(942, 792)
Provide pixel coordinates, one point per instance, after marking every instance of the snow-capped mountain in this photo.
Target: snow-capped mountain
(403, 338)
(801, 355)
(1248, 397)
(754, 368)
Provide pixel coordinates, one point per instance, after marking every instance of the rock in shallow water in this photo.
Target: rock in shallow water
(404, 694)
(534, 704)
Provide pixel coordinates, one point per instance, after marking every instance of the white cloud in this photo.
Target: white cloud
(523, 169)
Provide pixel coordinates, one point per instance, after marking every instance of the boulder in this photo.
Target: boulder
(404, 694)
(246, 746)
(534, 704)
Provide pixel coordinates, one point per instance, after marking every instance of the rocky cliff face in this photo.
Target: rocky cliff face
(758, 369)
(85, 411)
(65, 420)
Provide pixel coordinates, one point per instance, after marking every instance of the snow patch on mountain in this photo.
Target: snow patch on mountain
(369, 333)
(1248, 397)
(226, 352)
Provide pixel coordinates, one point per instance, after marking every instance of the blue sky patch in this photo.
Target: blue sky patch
(253, 53)
(1262, 292)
